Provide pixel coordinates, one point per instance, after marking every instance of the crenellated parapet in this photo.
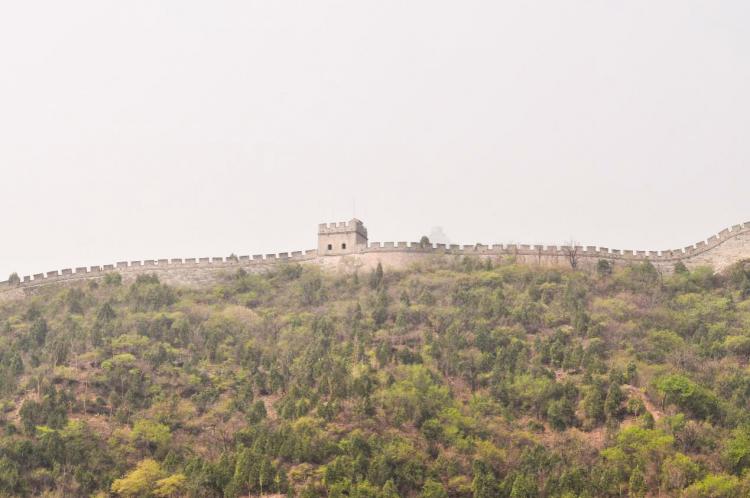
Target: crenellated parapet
(161, 266)
(353, 251)
(346, 237)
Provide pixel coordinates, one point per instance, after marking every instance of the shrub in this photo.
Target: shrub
(714, 486)
(604, 267)
(114, 279)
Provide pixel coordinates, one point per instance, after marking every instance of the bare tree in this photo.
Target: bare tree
(571, 252)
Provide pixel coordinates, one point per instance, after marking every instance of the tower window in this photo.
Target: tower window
(343, 246)
(330, 246)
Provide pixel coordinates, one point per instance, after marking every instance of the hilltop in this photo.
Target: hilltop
(459, 377)
(344, 247)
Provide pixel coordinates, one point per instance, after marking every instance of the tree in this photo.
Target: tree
(679, 390)
(389, 490)
(380, 311)
(604, 267)
(485, 483)
(561, 414)
(105, 313)
(14, 279)
(433, 489)
(678, 471)
(737, 451)
(524, 486)
(632, 373)
(113, 279)
(680, 268)
(171, 486)
(39, 331)
(141, 481)
(637, 483)
(593, 405)
(571, 252)
(150, 435)
(311, 287)
(424, 242)
(714, 486)
(376, 277)
(613, 401)
(257, 412)
(11, 481)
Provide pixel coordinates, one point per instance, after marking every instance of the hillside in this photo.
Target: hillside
(462, 379)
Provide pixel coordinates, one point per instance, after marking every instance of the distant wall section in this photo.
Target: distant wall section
(719, 251)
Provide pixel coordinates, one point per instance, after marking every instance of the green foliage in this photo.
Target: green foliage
(737, 450)
(680, 268)
(150, 434)
(113, 279)
(485, 484)
(49, 411)
(604, 267)
(141, 481)
(457, 378)
(311, 289)
(687, 395)
(147, 294)
(376, 277)
(433, 489)
(613, 401)
(678, 471)
(715, 486)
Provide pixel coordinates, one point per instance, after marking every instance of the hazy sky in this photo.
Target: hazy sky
(143, 129)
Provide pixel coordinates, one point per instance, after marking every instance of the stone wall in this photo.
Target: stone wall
(341, 238)
(719, 251)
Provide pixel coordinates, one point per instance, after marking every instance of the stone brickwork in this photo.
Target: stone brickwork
(719, 251)
(342, 238)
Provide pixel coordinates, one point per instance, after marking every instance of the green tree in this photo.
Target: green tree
(39, 331)
(524, 486)
(151, 435)
(433, 489)
(613, 401)
(171, 486)
(714, 486)
(604, 267)
(737, 450)
(561, 414)
(380, 311)
(680, 268)
(485, 484)
(141, 481)
(678, 471)
(637, 483)
(376, 277)
(679, 390)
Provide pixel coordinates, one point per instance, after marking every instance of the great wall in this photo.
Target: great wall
(344, 247)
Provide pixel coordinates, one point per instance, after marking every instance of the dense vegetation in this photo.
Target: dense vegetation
(453, 379)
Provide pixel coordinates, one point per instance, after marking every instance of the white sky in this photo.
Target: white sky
(141, 129)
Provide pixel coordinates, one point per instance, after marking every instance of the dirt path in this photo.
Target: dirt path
(635, 392)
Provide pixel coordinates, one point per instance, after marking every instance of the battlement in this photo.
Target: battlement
(339, 242)
(345, 237)
(353, 225)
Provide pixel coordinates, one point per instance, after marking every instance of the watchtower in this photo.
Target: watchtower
(341, 238)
